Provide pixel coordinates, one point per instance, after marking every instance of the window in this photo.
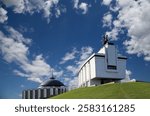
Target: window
(112, 67)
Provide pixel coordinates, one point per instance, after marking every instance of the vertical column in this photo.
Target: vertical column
(39, 93)
(51, 91)
(82, 77)
(89, 73)
(79, 79)
(33, 94)
(45, 93)
(28, 94)
(48, 91)
(85, 75)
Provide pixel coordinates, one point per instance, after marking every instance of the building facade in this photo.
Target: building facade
(102, 67)
(47, 89)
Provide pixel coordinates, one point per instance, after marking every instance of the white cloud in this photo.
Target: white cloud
(32, 6)
(133, 16)
(58, 74)
(80, 56)
(106, 2)
(86, 52)
(81, 6)
(18, 5)
(107, 19)
(69, 56)
(128, 77)
(76, 2)
(14, 48)
(84, 7)
(72, 69)
(48, 6)
(73, 84)
(21, 74)
(113, 33)
(3, 15)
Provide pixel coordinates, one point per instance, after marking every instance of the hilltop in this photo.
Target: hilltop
(130, 90)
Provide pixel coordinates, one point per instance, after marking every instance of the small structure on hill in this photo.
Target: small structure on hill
(102, 67)
(48, 89)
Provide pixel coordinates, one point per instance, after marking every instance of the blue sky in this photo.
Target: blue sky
(38, 37)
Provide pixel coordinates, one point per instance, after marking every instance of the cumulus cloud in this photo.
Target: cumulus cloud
(14, 49)
(106, 2)
(84, 54)
(107, 19)
(132, 16)
(84, 7)
(72, 69)
(32, 6)
(18, 5)
(76, 2)
(69, 56)
(79, 57)
(3, 15)
(73, 84)
(81, 6)
(128, 77)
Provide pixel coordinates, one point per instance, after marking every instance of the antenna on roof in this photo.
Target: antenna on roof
(52, 76)
(105, 39)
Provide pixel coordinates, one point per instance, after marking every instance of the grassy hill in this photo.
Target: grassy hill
(131, 90)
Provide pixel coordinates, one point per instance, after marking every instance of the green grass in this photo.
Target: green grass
(131, 90)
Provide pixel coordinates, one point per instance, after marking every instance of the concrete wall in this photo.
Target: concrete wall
(103, 72)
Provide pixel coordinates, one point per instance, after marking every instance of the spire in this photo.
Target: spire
(52, 76)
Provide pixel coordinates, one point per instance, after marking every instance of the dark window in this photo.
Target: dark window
(26, 94)
(59, 91)
(36, 94)
(48, 92)
(42, 93)
(111, 67)
(31, 94)
(54, 91)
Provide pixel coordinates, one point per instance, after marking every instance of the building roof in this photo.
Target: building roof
(52, 82)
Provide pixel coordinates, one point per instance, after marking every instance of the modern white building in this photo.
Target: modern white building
(102, 67)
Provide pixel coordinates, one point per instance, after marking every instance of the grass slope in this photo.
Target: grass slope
(131, 90)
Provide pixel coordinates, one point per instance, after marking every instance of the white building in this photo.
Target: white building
(102, 67)
(48, 89)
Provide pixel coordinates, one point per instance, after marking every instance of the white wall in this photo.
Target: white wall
(92, 67)
(111, 55)
(103, 72)
(96, 67)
